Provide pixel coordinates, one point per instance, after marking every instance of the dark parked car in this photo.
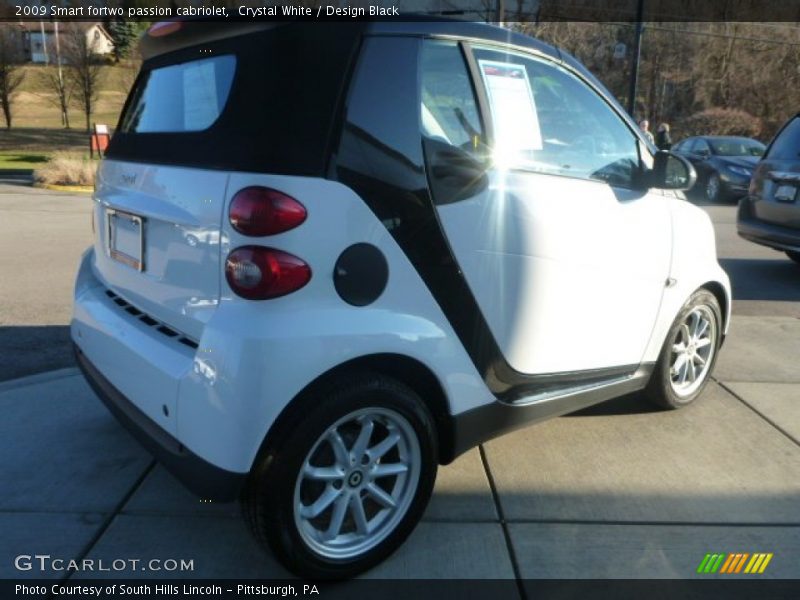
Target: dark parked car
(770, 214)
(724, 164)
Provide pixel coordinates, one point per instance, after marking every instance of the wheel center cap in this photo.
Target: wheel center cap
(355, 479)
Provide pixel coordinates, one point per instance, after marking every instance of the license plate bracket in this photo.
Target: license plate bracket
(125, 238)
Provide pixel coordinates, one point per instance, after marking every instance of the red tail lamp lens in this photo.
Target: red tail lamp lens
(259, 211)
(259, 273)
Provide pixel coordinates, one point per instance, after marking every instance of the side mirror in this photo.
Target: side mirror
(672, 172)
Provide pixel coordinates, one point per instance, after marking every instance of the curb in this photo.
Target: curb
(20, 382)
(84, 189)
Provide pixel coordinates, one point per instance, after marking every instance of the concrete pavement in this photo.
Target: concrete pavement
(618, 490)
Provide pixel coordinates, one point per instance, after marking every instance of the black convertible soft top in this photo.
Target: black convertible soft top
(288, 88)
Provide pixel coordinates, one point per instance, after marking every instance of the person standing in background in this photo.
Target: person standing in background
(663, 139)
(644, 125)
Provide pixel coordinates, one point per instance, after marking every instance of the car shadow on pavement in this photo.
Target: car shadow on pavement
(30, 349)
(630, 404)
(763, 279)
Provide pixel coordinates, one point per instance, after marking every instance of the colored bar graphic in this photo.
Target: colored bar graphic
(727, 564)
(734, 563)
(766, 562)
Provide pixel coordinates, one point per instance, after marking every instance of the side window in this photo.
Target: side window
(547, 120)
(449, 112)
(787, 145)
(701, 147)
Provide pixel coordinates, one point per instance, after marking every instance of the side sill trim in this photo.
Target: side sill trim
(491, 420)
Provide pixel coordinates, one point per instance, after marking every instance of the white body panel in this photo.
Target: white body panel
(694, 265)
(569, 273)
(254, 357)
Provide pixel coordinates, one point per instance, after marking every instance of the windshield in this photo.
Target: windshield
(737, 147)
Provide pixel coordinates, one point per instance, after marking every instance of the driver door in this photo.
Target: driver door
(565, 253)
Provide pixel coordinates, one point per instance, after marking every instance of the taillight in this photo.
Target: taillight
(259, 273)
(258, 211)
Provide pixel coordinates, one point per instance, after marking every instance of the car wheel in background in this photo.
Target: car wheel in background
(690, 350)
(713, 188)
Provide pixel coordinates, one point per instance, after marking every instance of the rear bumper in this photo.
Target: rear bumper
(766, 234)
(199, 476)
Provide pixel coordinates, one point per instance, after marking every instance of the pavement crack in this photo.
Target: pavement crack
(108, 520)
(786, 434)
(503, 524)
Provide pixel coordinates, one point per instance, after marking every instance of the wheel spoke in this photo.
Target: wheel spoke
(380, 496)
(699, 360)
(702, 343)
(684, 372)
(359, 516)
(320, 504)
(323, 473)
(339, 449)
(378, 450)
(679, 348)
(360, 445)
(337, 517)
(701, 328)
(692, 371)
(386, 470)
(679, 363)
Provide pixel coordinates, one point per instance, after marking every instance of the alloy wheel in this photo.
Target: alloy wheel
(357, 483)
(693, 349)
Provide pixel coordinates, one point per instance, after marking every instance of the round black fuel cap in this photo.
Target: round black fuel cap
(361, 274)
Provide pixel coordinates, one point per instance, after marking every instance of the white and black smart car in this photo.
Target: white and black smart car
(329, 258)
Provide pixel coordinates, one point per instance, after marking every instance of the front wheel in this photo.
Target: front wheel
(347, 480)
(713, 188)
(690, 350)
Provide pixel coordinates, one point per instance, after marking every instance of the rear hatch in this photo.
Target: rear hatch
(158, 240)
(211, 100)
(777, 180)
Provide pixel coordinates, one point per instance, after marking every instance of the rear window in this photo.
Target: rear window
(787, 145)
(179, 98)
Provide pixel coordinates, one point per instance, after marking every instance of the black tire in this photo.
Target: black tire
(795, 256)
(269, 498)
(661, 390)
(713, 191)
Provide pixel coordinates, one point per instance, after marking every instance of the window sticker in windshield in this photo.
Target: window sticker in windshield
(513, 108)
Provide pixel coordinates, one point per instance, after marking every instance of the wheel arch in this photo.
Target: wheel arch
(410, 371)
(721, 294)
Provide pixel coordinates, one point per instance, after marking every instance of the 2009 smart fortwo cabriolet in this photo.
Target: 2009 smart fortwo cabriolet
(330, 257)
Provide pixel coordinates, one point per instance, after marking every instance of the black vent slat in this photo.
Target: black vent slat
(188, 342)
(150, 321)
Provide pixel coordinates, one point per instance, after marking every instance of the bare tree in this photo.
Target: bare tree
(10, 74)
(84, 69)
(59, 91)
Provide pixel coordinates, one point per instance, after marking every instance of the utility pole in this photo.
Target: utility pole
(44, 41)
(637, 50)
(500, 10)
(64, 116)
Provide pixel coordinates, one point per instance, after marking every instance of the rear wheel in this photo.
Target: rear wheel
(345, 484)
(795, 256)
(690, 350)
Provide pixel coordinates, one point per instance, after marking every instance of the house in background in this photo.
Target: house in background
(38, 39)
